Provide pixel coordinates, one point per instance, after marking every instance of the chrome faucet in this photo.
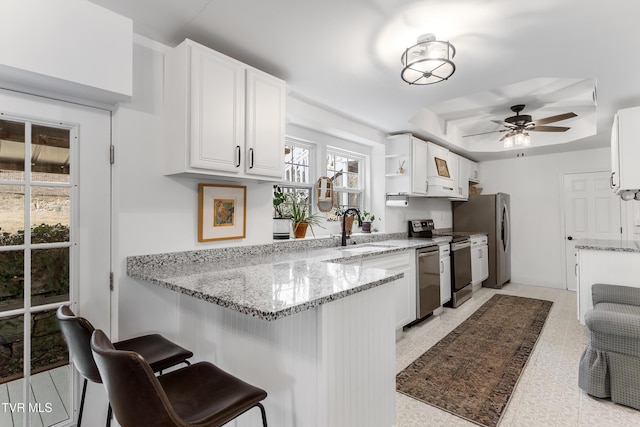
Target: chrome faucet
(344, 230)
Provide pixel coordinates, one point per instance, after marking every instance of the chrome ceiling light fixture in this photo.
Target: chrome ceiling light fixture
(428, 61)
(516, 137)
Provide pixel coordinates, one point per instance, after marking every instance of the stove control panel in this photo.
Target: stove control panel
(421, 225)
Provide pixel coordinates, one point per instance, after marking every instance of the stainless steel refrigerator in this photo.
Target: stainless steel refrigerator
(488, 214)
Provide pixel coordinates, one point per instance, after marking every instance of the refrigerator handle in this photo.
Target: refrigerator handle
(506, 228)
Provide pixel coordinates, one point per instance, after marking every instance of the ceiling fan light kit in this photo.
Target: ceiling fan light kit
(428, 61)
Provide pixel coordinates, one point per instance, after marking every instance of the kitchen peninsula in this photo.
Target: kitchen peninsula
(615, 262)
(316, 333)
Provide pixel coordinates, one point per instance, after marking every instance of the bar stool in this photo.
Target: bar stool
(157, 350)
(198, 395)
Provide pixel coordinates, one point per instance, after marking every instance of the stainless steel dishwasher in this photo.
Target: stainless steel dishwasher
(461, 286)
(428, 278)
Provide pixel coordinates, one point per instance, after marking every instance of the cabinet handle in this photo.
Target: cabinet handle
(612, 185)
(238, 154)
(441, 267)
(250, 158)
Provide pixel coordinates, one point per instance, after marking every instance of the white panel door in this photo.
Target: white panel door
(591, 211)
(56, 137)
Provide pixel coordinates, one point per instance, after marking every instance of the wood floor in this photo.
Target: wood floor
(49, 394)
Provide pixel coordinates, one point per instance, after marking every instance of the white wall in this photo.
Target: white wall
(419, 208)
(535, 186)
(70, 48)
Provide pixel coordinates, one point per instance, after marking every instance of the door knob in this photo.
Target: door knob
(570, 238)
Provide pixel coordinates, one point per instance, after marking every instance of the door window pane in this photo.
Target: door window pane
(50, 214)
(49, 369)
(50, 154)
(11, 215)
(11, 280)
(12, 149)
(49, 275)
(11, 348)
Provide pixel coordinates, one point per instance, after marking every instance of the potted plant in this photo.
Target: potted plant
(348, 220)
(301, 217)
(281, 218)
(366, 219)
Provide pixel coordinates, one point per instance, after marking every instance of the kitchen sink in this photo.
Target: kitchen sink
(367, 248)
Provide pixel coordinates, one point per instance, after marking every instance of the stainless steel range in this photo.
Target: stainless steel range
(461, 288)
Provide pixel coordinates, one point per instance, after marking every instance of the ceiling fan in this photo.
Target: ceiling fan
(517, 126)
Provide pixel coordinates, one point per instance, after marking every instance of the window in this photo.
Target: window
(297, 173)
(346, 170)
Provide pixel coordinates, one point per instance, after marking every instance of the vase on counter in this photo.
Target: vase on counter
(366, 226)
(300, 229)
(281, 228)
(348, 224)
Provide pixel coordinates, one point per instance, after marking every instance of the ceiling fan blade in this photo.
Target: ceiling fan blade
(552, 119)
(484, 133)
(503, 123)
(549, 129)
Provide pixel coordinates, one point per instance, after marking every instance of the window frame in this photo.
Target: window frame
(363, 168)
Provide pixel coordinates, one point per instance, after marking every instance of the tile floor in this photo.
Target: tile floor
(547, 393)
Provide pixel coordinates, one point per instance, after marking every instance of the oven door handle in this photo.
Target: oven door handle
(430, 253)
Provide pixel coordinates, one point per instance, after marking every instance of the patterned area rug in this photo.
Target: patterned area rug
(472, 371)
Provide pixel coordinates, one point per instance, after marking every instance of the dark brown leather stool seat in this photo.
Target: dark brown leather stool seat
(156, 349)
(201, 394)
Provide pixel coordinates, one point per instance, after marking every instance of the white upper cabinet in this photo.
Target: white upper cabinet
(222, 117)
(460, 173)
(625, 151)
(474, 171)
(406, 165)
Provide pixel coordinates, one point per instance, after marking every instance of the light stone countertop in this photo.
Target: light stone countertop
(609, 245)
(275, 280)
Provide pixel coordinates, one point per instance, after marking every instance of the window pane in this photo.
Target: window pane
(49, 275)
(11, 215)
(296, 164)
(11, 280)
(11, 348)
(352, 180)
(49, 368)
(12, 150)
(50, 214)
(50, 154)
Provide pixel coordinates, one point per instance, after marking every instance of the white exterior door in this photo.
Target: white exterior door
(591, 211)
(54, 161)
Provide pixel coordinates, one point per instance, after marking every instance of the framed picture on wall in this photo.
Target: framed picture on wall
(221, 212)
(441, 167)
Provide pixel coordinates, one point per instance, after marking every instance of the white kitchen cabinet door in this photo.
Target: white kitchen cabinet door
(484, 262)
(217, 111)
(265, 119)
(625, 174)
(419, 169)
(474, 171)
(404, 288)
(445, 280)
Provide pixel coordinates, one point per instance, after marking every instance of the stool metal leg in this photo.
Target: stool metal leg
(109, 415)
(264, 414)
(84, 391)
